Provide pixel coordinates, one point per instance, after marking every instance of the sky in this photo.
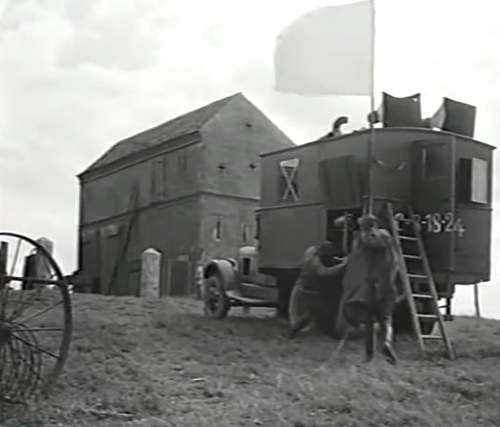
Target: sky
(78, 75)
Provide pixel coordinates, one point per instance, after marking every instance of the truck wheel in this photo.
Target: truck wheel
(216, 302)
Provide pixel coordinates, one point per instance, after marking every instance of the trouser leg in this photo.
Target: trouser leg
(300, 311)
(387, 336)
(369, 338)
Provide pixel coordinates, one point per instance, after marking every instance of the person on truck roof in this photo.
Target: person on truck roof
(306, 300)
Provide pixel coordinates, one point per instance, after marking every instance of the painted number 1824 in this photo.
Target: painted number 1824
(438, 223)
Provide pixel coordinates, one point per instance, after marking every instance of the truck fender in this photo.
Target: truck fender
(225, 268)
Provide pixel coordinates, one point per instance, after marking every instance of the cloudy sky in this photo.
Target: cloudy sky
(78, 75)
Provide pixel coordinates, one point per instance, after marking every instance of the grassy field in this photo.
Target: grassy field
(137, 362)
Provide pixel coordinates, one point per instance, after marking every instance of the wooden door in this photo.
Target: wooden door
(433, 198)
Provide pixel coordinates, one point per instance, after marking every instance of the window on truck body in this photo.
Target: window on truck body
(479, 181)
(288, 180)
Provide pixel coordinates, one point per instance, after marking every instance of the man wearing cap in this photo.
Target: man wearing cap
(370, 285)
(306, 298)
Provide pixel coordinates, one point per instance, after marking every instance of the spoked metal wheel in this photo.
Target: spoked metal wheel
(217, 303)
(35, 319)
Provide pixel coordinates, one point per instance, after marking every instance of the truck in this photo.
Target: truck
(442, 177)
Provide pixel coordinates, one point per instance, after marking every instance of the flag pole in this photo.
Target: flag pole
(371, 138)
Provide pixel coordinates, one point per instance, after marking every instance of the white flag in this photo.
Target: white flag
(327, 51)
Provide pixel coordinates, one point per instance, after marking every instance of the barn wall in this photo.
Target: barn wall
(236, 218)
(234, 138)
(168, 175)
(172, 229)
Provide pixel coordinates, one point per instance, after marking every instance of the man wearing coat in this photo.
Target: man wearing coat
(370, 285)
(307, 301)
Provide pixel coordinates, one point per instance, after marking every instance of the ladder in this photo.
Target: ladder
(418, 283)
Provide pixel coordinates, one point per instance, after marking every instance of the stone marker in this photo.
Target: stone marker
(150, 273)
(43, 267)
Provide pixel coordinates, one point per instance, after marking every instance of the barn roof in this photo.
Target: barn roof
(179, 126)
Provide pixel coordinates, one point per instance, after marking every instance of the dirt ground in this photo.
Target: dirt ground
(136, 362)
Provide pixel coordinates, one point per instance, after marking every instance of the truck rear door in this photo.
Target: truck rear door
(433, 196)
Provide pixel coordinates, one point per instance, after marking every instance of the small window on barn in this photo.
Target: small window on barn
(158, 180)
(257, 226)
(288, 180)
(245, 233)
(182, 161)
(434, 161)
(217, 231)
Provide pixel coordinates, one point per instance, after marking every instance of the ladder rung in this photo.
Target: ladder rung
(417, 276)
(407, 237)
(412, 256)
(427, 316)
(427, 296)
(432, 337)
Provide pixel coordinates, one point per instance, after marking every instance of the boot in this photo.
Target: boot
(296, 327)
(387, 348)
(291, 333)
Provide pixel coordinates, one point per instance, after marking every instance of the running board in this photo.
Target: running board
(238, 300)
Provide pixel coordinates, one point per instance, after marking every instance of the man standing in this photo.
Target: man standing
(370, 285)
(306, 300)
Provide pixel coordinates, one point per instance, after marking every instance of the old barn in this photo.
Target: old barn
(187, 188)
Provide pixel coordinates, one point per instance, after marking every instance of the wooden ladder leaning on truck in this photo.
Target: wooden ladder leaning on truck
(416, 275)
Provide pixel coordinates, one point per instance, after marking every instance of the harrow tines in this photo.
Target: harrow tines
(20, 373)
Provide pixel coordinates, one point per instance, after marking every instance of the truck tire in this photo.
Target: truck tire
(216, 302)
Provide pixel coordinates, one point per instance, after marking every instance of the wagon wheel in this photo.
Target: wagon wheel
(35, 319)
(217, 303)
